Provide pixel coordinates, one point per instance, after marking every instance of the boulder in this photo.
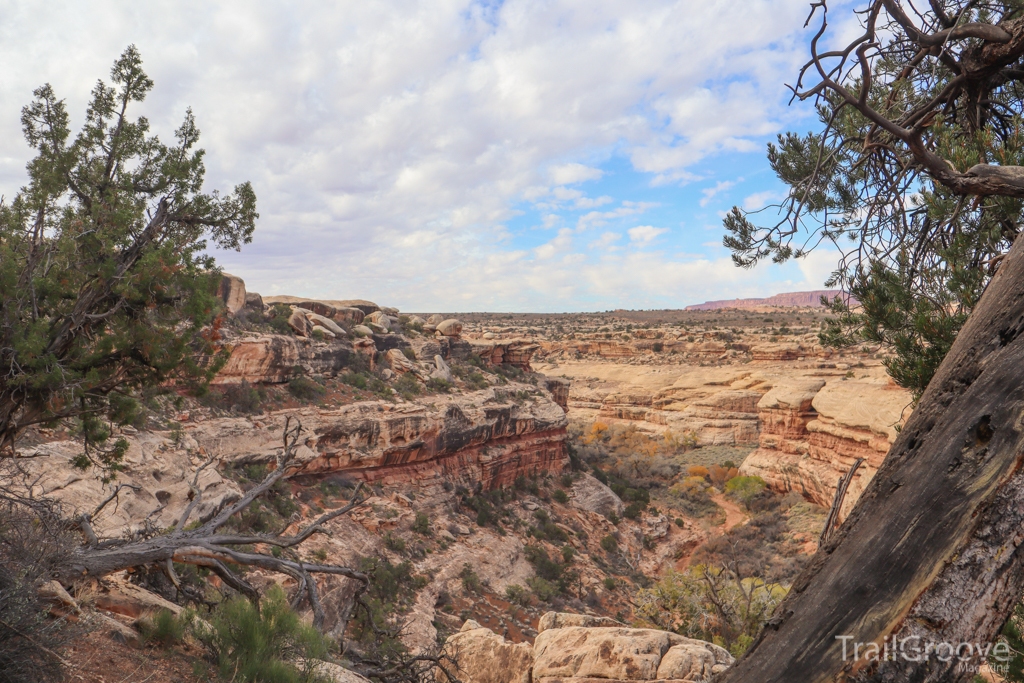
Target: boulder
(324, 331)
(363, 331)
(348, 316)
(390, 310)
(450, 327)
(329, 672)
(326, 322)
(435, 319)
(254, 302)
(551, 620)
(378, 318)
(591, 495)
(485, 657)
(231, 291)
(400, 364)
(416, 320)
(298, 322)
(441, 370)
(624, 654)
(363, 305)
(318, 307)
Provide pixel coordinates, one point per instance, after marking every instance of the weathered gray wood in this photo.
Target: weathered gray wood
(934, 545)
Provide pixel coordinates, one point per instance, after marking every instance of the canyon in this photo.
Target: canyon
(463, 431)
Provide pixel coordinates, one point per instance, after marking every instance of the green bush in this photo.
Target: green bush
(163, 629)
(565, 480)
(407, 386)
(517, 595)
(422, 524)
(470, 580)
(305, 389)
(560, 496)
(633, 510)
(568, 552)
(258, 645)
(745, 489)
(438, 385)
(545, 590)
(610, 583)
(355, 379)
(609, 544)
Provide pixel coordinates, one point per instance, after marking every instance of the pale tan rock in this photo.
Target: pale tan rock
(298, 322)
(52, 590)
(626, 654)
(362, 330)
(118, 595)
(331, 672)
(450, 327)
(436, 319)
(400, 364)
(323, 331)
(347, 315)
(688, 661)
(273, 358)
(323, 321)
(591, 495)
(378, 318)
(550, 620)
(485, 657)
(231, 291)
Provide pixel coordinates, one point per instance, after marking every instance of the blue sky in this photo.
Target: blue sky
(529, 155)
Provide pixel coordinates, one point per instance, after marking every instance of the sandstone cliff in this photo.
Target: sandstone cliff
(810, 299)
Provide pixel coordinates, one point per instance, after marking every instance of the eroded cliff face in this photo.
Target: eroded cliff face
(490, 436)
(813, 430)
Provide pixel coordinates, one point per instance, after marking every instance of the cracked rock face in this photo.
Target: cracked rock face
(591, 651)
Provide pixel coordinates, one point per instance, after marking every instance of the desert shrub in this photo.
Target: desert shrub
(165, 628)
(259, 645)
(439, 385)
(355, 379)
(691, 495)
(394, 543)
(470, 579)
(633, 510)
(565, 481)
(305, 389)
(34, 545)
(719, 475)
(698, 471)
(568, 553)
(711, 603)
(609, 544)
(546, 530)
(517, 595)
(545, 590)
(244, 398)
(745, 489)
(610, 583)
(421, 525)
(407, 386)
(560, 496)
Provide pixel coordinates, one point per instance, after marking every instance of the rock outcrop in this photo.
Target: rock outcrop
(590, 652)
(483, 436)
(231, 291)
(812, 431)
(273, 358)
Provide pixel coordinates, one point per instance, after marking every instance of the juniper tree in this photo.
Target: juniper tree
(916, 175)
(105, 283)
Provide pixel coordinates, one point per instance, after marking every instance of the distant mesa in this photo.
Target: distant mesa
(790, 299)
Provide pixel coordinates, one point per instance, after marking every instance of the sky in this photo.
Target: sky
(450, 155)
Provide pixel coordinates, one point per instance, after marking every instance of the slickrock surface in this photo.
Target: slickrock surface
(589, 651)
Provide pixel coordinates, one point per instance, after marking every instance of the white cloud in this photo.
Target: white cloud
(390, 143)
(721, 186)
(760, 200)
(605, 241)
(569, 174)
(644, 234)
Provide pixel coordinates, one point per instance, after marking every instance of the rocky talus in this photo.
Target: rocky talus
(576, 648)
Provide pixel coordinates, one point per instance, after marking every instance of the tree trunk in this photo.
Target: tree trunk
(932, 552)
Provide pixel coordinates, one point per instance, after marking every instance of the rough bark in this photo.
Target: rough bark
(933, 547)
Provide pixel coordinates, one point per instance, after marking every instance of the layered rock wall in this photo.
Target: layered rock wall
(812, 431)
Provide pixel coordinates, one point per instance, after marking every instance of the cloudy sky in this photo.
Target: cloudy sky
(541, 155)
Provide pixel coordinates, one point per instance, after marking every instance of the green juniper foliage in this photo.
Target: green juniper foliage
(917, 251)
(105, 284)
